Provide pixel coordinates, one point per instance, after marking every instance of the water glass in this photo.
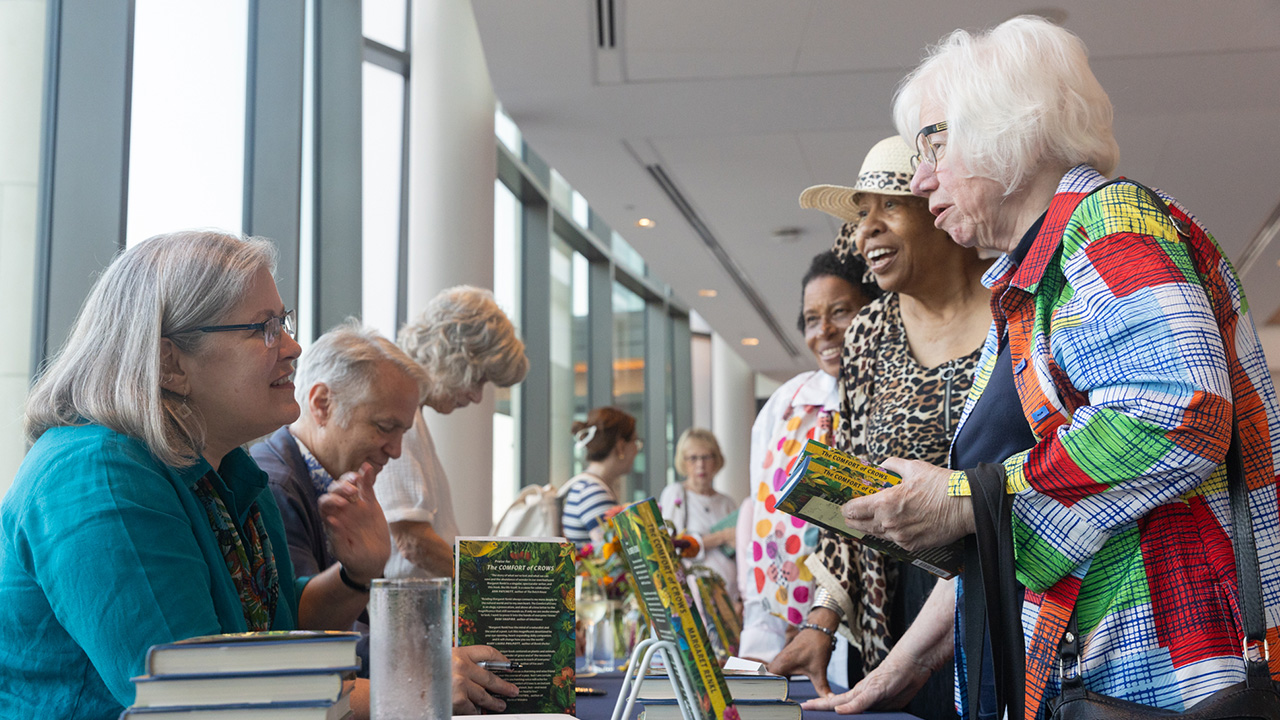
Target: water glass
(601, 641)
(410, 634)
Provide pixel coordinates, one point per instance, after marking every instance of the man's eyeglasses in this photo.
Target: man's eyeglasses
(270, 328)
(926, 151)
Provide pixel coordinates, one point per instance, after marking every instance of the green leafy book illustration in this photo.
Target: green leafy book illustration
(516, 595)
(660, 581)
(824, 479)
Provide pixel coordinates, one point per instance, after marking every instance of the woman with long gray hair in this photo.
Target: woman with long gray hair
(136, 519)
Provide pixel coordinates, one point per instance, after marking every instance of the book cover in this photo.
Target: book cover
(718, 614)
(516, 595)
(660, 582)
(235, 653)
(743, 685)
(824, 479)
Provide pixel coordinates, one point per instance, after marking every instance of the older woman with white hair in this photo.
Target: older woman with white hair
(136, 519)
(463, 340)
(1089, 459)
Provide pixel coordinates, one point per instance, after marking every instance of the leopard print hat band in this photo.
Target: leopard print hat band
(886, 170)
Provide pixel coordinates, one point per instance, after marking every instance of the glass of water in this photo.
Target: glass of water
(410, 633)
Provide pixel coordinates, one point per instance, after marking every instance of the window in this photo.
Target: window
(629, 331)
(383, 134)
(570, 338)
(186, 146)
(507, 241)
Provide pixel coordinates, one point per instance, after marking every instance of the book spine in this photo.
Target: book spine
(652, 558)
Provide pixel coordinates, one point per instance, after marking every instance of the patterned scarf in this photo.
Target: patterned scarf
(251, 564)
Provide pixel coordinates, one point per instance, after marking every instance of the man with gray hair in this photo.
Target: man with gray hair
(359, 393)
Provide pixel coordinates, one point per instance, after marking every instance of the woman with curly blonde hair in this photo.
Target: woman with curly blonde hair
(463, 340)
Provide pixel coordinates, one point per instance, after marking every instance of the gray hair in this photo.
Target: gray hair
(108, 371)
(346, 360)
(1014, 96)
(462, 337)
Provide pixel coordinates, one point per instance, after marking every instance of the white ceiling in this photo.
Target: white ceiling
(744, 103)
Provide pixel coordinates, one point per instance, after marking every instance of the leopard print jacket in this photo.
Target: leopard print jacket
(891, 406)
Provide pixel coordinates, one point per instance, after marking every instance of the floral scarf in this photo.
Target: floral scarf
(250, 562)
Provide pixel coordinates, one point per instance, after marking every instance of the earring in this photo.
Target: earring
(184, 410)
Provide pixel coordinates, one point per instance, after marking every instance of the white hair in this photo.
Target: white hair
(346, 359)
(462, 337)
(1016, 96)
(108, 371)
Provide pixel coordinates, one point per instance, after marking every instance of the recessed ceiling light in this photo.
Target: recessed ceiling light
(750, 341)
(707, 293)
(645, 223)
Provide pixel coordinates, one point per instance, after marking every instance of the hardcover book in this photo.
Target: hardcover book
(718, 614)
(239, 653)
(660, 582)
(824, 479)
(313, 710)
(516, 595)
(747, 710)
(743, 685)
(260, 687)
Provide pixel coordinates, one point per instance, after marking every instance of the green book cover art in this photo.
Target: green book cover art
(660, 581)
(516, 595)
(824, 479)
(718, 613)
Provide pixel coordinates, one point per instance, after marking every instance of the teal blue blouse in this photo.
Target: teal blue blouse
(104, 552)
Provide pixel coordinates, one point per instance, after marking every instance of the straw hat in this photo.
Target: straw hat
(886, 170)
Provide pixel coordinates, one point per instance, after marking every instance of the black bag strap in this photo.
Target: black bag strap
(993, 595)
(1248, 576)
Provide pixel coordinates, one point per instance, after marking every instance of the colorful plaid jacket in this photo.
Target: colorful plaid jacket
(1126, 366)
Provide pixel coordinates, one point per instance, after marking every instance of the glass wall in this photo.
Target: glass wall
(570, 345)
(507, 244)
(383, 151)
(629, 333)
(186, 132)
(580, 295)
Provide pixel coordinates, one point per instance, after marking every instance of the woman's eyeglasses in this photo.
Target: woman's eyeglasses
(927, 151)
(270, 328)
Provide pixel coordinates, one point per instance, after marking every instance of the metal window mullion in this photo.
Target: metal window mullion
(535, 323)
(273, 133)
(682, 372)
(600, 329)
(658, 455)
(338, 217)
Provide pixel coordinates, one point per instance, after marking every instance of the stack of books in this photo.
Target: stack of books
(757, 695)
(298, 675)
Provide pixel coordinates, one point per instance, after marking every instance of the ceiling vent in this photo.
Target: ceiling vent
(609, 70)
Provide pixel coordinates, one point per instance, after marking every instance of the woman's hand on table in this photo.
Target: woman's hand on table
(808, 652)
(889, 687)
(474, 688)
(357, 528)
(916, 513)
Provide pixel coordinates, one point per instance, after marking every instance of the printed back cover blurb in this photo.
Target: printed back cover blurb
(516, 595)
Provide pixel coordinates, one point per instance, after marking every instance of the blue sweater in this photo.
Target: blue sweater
(104, 552)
